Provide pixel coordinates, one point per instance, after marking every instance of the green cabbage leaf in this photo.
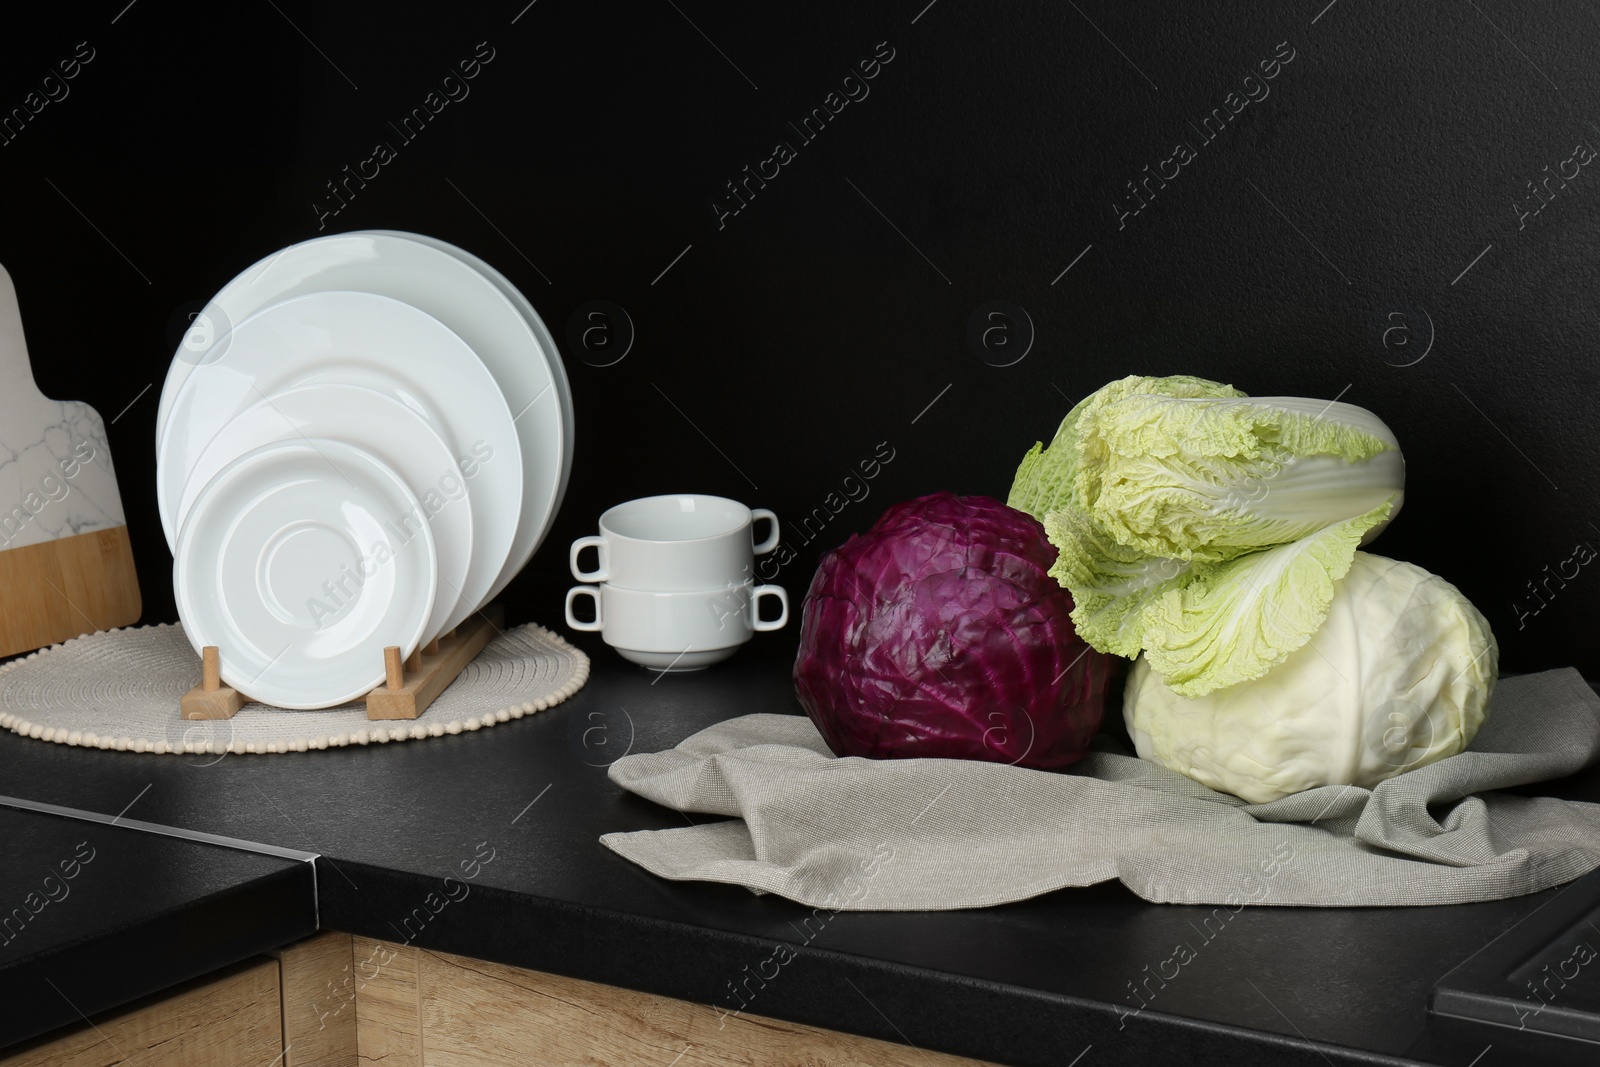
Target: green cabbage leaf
(1204, 527)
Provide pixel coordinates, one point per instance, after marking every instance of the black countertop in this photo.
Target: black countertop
(521, 807)
(93, 916)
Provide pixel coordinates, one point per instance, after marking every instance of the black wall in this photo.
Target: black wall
(1363, 228)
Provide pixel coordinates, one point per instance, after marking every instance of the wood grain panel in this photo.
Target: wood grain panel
(317, 978)
(388, 1008)
(477, 1014)
(233, 1021)
(70, 586)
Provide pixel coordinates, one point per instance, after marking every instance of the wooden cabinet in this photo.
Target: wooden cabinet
(338, 1001)
(417, 1008)
(319, 1011)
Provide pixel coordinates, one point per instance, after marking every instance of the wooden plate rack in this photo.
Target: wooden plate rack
(410, 683)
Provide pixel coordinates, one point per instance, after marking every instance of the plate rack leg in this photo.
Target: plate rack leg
(411, 686)
(411, 683)
(211, 699)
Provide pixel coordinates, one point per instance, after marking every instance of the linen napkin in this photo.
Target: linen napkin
(931, 834)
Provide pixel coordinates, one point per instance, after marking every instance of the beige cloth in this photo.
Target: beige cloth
(120, 689)
(926, 834)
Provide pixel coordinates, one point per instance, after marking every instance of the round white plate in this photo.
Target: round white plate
(367, 340)
(471, 298)
(541, 462)
(292, 564)
(378, 424)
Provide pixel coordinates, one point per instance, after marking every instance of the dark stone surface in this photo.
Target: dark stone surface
(93, 916)
(520, 807)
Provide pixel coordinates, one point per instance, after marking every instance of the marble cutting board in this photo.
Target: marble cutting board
(66, 565)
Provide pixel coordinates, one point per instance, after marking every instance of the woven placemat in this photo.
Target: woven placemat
(119, 689)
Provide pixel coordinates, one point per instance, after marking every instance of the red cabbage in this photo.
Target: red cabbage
(939, 633)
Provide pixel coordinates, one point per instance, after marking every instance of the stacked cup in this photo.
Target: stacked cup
(674, 583)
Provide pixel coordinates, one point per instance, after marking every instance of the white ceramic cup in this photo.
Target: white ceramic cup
(679, 630)
(681, 542)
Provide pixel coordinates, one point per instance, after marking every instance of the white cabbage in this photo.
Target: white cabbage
(1398, 676)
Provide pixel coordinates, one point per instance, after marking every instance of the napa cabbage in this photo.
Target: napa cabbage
(1205, 528)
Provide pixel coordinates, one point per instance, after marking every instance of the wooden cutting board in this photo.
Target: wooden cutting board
(66, 565)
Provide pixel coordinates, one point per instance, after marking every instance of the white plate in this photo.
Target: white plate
(471, 298)
(291, 564)
(372, 341)
(378, 424)
(541, 462)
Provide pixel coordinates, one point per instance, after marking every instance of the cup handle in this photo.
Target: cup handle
(757, 623)
(756, 515)
(599, 624)
(602, 571)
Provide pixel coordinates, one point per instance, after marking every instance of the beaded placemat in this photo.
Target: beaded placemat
(119, 689)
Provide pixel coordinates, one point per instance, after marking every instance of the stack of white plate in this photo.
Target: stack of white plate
(362, 439)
